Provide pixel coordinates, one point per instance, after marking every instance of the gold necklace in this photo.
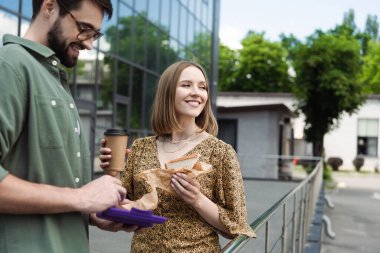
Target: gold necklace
(186, 139)
(172, 151)
(192, 137)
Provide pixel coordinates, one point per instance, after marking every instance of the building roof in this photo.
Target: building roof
(264, 107)
(253, 101)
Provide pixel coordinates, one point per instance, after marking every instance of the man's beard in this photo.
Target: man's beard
(59, 47)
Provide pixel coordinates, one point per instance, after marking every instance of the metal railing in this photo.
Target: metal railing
(297, 208)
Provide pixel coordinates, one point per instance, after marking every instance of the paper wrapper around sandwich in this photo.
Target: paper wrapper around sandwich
(161, 178)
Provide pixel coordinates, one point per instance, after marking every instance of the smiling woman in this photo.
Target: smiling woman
(198, 208)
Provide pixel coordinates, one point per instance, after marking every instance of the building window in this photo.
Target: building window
(228, 131)
(367, 137)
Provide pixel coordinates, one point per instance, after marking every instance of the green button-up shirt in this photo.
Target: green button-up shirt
(40, 141)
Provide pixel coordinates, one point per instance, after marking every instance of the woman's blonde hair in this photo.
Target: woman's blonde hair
(164, 119)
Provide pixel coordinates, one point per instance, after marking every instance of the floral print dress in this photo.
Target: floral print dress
(186, 230)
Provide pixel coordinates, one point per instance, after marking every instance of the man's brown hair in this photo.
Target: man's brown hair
(105, 5)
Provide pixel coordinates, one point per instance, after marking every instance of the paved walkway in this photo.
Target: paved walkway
(356, 215)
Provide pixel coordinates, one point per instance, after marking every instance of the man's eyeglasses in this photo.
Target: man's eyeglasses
(85, 31)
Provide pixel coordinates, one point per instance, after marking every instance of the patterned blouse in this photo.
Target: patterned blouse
(185, 230)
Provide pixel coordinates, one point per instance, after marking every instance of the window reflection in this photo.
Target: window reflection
(141, 5)
(139, 39)
(125, 32)
(121, 116)
(107, 42)
(8, 25)
(150, 90)
(123, 78)
(105, 96)
(10, 4)
(174, 19)
(153, 11)
(137, 84)
(165, 13)
(27, 10)
(183, 25)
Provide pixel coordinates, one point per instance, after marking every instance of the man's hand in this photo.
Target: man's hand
(100, 194)
(115, 226)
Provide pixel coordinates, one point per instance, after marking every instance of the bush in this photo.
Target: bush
(327, 174)
(335, 163)
(358, 162)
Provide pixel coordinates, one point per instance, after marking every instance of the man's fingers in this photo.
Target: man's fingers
(130, 228)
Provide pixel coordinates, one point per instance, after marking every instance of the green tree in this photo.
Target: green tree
(227, 67)
(262, 66)
(327, 70)
(372, 27)
(370, 76)
(348, 27)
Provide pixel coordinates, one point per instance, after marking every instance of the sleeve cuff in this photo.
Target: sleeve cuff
(235, 228)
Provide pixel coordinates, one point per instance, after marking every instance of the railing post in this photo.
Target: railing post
(283, 239)
(301, 217)
(300, 231)
(305, 215)
(266, 236)
(294, 222)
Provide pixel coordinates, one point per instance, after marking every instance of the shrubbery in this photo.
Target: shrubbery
(358, 162)
(335, 163)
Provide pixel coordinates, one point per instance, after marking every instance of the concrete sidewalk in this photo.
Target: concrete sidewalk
(356, 215)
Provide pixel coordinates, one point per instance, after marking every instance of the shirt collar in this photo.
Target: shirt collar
(31, 45)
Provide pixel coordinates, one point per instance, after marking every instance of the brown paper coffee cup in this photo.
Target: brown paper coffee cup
(116, 140)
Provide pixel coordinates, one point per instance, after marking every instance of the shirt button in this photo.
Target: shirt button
(76, 130)
(53, 103)
(54, 62)
(72, 106)
(77, 180)
(78, 154)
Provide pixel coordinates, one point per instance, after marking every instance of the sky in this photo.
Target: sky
(299, 17)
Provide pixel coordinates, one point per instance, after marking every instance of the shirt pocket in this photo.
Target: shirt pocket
(53, 121)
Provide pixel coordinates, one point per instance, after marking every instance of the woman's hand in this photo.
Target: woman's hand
(187, 188)
(105, 154)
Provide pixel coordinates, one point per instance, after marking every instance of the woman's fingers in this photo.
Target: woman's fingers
(104, 157)
(103, 142)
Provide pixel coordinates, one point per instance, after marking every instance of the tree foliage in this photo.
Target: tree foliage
(334, 71)
(261, 66)
(227, 67)
(370, 77)
(327, 67)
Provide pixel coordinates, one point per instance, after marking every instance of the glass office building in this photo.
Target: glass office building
(114, 84)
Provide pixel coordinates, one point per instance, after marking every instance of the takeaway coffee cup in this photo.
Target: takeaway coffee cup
(116, 140)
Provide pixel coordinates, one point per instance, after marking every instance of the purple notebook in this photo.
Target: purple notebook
(134, 216)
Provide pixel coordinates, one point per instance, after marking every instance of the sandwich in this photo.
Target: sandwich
(184, 162)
